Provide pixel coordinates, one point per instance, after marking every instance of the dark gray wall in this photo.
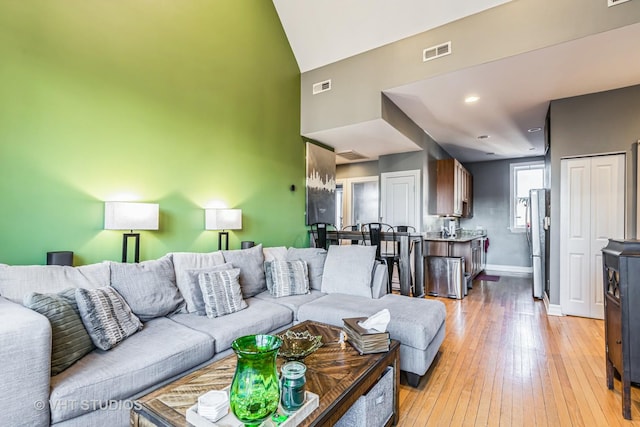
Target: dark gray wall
(491, 211)
(355, 170)
(605, 122)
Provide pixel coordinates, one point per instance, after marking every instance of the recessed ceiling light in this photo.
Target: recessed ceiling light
(484, 136)
(536, 129)
(471, 98)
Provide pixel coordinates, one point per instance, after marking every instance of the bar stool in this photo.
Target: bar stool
(374, 230)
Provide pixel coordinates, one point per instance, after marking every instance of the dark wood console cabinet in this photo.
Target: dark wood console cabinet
(621, 280)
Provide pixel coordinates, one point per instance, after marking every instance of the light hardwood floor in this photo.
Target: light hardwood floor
(504, 362)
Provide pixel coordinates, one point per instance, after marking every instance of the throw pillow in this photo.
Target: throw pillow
(69, 339)
(185, 261)
(221, 292)
(194, 285)
(315, 258)
(286, 278)
(347, 270)
(275, 253)
(106, 316)
(148, 287)
(251, 264)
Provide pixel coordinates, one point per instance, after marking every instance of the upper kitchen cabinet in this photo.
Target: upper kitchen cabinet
(454, 189)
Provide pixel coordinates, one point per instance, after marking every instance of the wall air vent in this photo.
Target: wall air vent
(615, 2)
(351, 155)
(321, 87)
(434, 52)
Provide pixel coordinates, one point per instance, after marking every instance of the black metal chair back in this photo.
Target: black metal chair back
(319, 233)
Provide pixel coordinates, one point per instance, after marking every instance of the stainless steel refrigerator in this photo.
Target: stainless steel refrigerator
(538, 237)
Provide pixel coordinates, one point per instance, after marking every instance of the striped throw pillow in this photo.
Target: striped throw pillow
(286, 278)
(221, 292)
(106, 316)
(69, 339)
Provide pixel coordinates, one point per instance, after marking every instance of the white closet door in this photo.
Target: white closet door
(607, 218)
(592, 211)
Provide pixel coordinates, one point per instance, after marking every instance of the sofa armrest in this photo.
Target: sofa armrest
(25, 358)
(379, 280)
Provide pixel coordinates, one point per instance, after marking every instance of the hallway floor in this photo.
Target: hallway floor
(504, 362)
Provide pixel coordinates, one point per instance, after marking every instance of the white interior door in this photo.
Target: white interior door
(592, 211)
(400, 199)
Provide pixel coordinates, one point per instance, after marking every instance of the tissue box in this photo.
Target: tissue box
(374, 408)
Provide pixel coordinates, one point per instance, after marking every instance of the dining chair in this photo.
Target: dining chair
(319, 234)
(373, 231)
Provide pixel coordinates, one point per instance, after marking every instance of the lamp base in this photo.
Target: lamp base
(226, 236)
(125, 252)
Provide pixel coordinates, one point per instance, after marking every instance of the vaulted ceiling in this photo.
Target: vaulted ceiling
(514, 92)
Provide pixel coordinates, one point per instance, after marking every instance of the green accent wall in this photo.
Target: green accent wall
(181, 103)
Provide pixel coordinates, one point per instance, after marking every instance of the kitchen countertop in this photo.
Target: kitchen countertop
(463, 238)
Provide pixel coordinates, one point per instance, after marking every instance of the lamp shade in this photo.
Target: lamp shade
(223, 219)
(131, 216)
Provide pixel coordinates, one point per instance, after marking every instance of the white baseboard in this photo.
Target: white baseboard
(510, 270)
(552, 309)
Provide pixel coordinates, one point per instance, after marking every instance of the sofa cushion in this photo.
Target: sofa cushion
(292, 302)
(160, 351)
(194, 286)
(286, 278)
(221, 292)
(414, 321)
(106, 316)
(315, 258)
(183, 262)
(348, 270)
(148, 287)
(69, 339)
(260, 317)
(332, 308)
(251, 264)
(16, 281)
(276, 253)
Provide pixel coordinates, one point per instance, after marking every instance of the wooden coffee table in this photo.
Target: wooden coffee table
(336, 372)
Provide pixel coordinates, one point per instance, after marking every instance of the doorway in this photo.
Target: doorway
(357, 201)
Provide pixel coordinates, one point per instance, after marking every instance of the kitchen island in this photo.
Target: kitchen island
(469, 245)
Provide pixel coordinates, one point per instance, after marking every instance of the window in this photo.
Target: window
(524, 177)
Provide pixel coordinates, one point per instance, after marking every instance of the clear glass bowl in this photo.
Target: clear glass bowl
(298, 345)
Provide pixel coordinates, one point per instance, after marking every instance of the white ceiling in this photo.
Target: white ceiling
(326, 31)
(514, 92)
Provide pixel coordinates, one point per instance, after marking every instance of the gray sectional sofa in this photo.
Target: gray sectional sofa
(100, 388)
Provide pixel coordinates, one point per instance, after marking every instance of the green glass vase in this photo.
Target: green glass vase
(255, 389)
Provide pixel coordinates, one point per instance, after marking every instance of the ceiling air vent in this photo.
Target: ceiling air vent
(351, 155)
(615, 2)
(437, 51)
(321, 87)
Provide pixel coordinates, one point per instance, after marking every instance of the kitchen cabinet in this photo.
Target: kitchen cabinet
(454, 191)
(471, 249)
(621, 293)
(472, 253)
